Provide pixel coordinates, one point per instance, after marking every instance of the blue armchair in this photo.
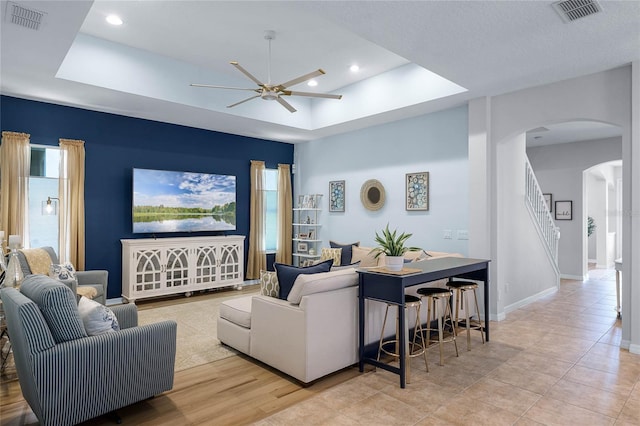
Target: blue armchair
(68, 377)
(98, 279)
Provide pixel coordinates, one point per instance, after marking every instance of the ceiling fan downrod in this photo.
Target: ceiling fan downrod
(269, 35)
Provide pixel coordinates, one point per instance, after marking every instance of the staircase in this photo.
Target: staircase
(537, 207)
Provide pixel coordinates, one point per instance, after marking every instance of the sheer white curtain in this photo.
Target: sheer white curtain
(257, 258)
(285, 213)
(15, 165)
(71, 193)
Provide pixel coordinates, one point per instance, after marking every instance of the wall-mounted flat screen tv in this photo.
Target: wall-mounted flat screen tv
(166, 201)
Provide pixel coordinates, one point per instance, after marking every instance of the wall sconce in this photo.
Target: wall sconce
(50, 207)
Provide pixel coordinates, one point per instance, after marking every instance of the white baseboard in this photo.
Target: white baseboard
(634, 349)
(499, 317)
(625, 344)
(574, 277)
(528, 300)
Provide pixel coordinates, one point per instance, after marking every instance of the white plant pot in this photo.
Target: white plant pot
(394, 263)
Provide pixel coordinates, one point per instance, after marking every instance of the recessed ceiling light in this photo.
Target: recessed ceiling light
(114, 20)
(312, 83)
(354, 68)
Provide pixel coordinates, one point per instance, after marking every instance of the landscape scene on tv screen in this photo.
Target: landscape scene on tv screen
(166, 201)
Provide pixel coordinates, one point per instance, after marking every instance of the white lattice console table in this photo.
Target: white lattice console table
(157, 267)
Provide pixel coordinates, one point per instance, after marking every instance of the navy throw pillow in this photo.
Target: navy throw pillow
(347, 251)
(287, 275)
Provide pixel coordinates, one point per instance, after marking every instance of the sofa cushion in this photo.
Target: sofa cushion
(97, 318)
(410, 256)
(334, 254)
(287, 275)
(269, 285)
(237, 311)
(306, 284)
(354, 265)
(58, 305)
(364, 256)
(347, 250)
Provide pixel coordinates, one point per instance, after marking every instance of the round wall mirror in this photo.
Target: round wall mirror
(372, 195)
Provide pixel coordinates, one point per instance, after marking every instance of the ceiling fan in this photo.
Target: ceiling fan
(273, 92)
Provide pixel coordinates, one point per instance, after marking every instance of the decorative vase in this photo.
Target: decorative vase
(394, 263)
(13, 275)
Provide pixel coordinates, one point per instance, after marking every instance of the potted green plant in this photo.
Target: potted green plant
(591, 226)
(392, 245)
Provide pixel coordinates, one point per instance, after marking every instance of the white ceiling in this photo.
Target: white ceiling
(406, 50)
(574, 131)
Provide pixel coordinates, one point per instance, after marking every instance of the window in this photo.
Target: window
(271, 208)
(43, 183)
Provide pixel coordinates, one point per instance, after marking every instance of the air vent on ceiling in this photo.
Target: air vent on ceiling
(570, 10)
(23, 16)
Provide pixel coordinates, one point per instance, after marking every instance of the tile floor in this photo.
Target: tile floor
(554, 362)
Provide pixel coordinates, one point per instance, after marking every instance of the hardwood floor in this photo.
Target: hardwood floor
(232, 391)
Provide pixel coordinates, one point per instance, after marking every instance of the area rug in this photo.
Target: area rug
(197, 341)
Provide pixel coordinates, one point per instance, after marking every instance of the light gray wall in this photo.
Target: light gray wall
(601, 97)
(529, 272)
(559, 170)
(434, 143)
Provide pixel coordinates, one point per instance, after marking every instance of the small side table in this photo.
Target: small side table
(618, 263)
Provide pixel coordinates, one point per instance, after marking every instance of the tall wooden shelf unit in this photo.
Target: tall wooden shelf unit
(162, 266)
(306, 225)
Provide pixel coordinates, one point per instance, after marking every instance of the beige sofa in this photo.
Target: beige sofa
(311, 334)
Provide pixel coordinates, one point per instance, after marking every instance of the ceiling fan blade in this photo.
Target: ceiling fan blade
(247, 73)
(209, 86)
(285, 104)
(241, 102)
(300, 79)
(309, 94)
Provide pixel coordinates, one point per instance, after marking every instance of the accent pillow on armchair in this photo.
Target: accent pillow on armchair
(61, 272)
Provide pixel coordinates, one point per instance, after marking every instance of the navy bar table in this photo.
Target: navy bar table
(389, 287)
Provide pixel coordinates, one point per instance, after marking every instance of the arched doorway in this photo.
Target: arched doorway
(573, 160)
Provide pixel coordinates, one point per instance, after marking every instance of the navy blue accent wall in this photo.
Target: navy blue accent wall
(115, 144)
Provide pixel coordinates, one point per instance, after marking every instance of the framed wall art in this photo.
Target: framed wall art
(336, 195)
(564, 210)
(417, 191)
(548, 198)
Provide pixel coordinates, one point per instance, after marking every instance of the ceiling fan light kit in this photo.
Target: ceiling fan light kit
(273, 92)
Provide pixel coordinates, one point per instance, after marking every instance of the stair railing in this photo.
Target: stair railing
(538, 208)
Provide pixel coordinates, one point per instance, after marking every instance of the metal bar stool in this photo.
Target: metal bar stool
(434, 295)
(461, 288)
(415, 348)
